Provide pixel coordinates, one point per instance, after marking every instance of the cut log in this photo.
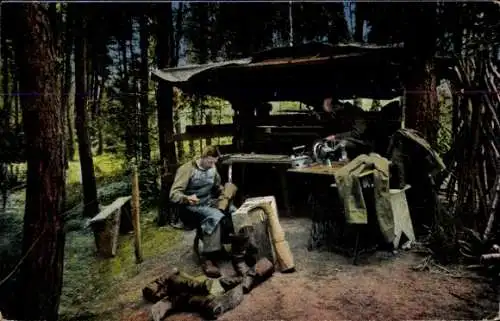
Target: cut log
(106, 227)
(160, 310)
(264, 269)
(487, 257)
(210, 306)
(266, 208)
(157, 289)
(256, 218)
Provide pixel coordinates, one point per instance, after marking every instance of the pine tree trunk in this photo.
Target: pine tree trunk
(177, 123)
(66, 88)
(164, 49)
(91, 206)
(360, 22)
(208, 121)
(125, 99)
(100, 138)
(15, 88)
(194, 108)
(422, 107)
(71, 135)
(43, 233)
(144, 35)
(5, 122)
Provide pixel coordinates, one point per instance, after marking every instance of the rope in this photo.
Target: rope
(22, 259)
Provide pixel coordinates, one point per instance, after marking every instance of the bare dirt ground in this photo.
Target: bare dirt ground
(327, 286)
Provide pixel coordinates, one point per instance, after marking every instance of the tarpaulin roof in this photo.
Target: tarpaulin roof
(301, 73)
(184, 73)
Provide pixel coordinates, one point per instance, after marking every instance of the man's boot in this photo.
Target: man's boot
(251, 250)
(238, 248)
(209, 266)
(239, 245)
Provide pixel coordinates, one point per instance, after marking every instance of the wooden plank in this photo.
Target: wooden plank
(207, 129)
(319, 169)
(257, 159)
(106, 227)
(108, 210)
(188, 136)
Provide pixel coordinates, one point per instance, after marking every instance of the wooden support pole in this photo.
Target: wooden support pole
(136, 215)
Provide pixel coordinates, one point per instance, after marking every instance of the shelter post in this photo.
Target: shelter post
(168, 157)
(243, 121)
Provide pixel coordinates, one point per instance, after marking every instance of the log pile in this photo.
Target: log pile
(177, 291)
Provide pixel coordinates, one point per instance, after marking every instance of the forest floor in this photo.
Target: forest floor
(326, 286)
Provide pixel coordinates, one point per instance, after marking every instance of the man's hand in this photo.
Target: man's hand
(192, 199)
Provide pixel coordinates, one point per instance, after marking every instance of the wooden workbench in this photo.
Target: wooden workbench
(318, 169)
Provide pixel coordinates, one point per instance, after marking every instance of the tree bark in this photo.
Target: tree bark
(43, 238)
(66, 88)
(5, 122)
(100, 137)
(422, 108)
(15, 89)
(91, 206)
(360, 22)
(144, 35)
(164, 99)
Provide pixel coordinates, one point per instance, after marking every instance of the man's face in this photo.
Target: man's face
(328, 104)
(208, 162)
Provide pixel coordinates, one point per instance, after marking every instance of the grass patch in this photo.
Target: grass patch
(91, 285)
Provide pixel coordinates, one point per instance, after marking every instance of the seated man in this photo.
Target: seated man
(196, 186)
(352, 120)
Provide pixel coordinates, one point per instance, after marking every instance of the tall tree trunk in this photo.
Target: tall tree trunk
(164, 49)
(5, 122)
(15, 89)
(67, 81)
(177, 122)
(175, 61)
(179, 19)
(125, 99)
(100, 138)
(422, 108)
(144, 35)
(71, 134)
(91, 206)
(208, 121)
(360, 22)
(66, 88)
(43, 233)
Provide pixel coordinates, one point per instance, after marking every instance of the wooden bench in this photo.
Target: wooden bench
(108, 223)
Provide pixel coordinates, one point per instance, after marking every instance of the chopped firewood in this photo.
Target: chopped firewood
(157, 289)
(492, 256)
(209, 306)
(228, 283)
(183, 283)
(263, 270)
(160, 309)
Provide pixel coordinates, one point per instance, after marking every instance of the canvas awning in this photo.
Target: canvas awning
(303, 73)
(183, 74)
